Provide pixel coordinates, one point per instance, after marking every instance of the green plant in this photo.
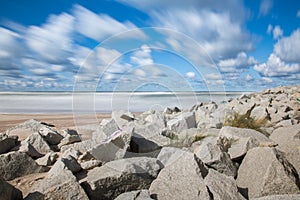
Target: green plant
(245, 121)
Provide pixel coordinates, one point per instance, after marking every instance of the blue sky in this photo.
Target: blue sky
(106, 45)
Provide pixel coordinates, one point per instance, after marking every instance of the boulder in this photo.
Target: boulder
(119, 176)
(234, 133)
(135, 195)
(71, 152)
(122, 117)
(68, 162)
(59, 184)
(109, 127)
(90, 164)
(82, 147)
(16, 164)
(38, 143)
(51, 136)
(70, 136)
(222, 186)
(113, 148)
(142, 138)
(30, 150)
(169, 155)
(265, 171)
(48, 159)
(156, 118)
(183, 179)
(238, 148)
(214, 154)
(9, 192)
(259, 113)
(280, 197)
(288, 140)
(7, 142)
(181, 122)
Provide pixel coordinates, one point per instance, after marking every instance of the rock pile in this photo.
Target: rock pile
(202, 153)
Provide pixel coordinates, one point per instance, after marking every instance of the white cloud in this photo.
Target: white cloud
(10, 49)
(142, 56)
(212, 76)
(224, 39)
(100, 26)
(277, 32)
(265, 7)
(140, 73)
(269, 29)
(276, 67)
(53, 41)
(298, 14)
(190, 75)
(248, 77)
(266, 79)
(241, 61)
(288, 48)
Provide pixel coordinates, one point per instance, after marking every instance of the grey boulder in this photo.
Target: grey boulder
(265, 171)
(16, 164)
(222, 186)
(288, 140)
(7, 142)
(119, 176)
(181, 180)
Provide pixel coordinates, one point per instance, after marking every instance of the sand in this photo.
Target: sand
(61, 121)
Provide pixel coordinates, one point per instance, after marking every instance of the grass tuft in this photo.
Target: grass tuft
(245, 121)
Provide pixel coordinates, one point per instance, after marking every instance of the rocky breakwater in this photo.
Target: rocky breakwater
(247, 148)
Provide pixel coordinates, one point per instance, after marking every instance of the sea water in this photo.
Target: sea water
(87, 102)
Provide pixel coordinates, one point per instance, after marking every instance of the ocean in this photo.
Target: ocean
(103, 102)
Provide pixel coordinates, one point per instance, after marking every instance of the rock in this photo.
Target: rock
(168, 111)
(110, 127)
(182, 122)
(59, 184)
(51, 136)
(113, 148)
(17, 164)
(259, 113)
(90, 164)
(280, 197)
(142, 138)
(9, 192)
(288, 140)
(70, 136)
(71, 152)
(240, 147)
(169, 155)
(181, 180)
(284, 123)
(29, 150)
(122, 118)
(214, 154)
(222, 186)
(119, 176)
(265, 171)
(135, 195)
(48, 159)
(234, 133)
(38, 143)
(7, 142)
(68, 162)
(156, 118)
(82, 147)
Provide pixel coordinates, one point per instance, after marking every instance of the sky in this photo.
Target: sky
(142, 45)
